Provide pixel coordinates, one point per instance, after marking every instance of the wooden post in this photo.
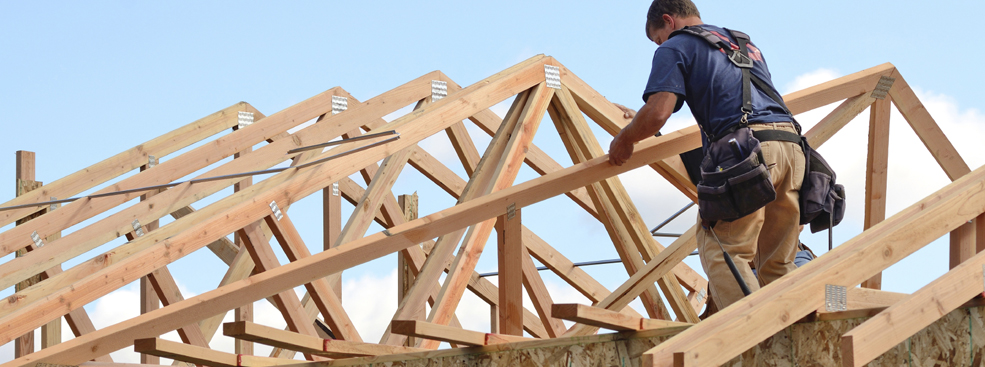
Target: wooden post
(149, 301)
(24, 182)
(510, 251)
(244, 312)
(876, 168)
(405, 278)
(332, 214)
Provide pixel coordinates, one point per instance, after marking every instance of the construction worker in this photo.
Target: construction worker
(689, 69)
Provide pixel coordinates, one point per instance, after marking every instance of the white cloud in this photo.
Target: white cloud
(810, 79)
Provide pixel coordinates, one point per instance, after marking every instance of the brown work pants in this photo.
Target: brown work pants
(766, 238)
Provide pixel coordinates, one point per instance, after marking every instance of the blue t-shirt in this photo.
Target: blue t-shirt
(711, 85)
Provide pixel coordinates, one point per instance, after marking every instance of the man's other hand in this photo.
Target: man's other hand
(627, 113)
(620, 150)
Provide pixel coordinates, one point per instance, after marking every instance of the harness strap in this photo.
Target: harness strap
(742, 60)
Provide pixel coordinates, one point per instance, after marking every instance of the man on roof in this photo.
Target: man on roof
(690, 68)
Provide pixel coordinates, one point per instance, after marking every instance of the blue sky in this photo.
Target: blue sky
(80, 82)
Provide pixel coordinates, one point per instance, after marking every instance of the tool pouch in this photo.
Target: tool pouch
(733, 185)
(822, 201)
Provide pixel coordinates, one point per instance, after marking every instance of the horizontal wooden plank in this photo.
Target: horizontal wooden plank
(246, 330)
(203, 356)
(427, 330)
(611, 320)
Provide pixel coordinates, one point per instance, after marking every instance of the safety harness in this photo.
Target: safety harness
(739, 56)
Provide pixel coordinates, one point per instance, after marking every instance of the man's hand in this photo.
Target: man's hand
(620, 150)
(627, 113)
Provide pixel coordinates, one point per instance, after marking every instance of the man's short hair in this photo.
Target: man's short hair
(679, 8)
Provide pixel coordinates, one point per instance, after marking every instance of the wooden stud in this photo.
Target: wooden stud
(510, 252)
(405, 276)
(244, 312)
(201, 355)
(876, 177)
(25, 183)
(308, 344)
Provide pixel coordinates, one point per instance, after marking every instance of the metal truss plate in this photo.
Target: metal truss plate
(835, 298)
(136, 228)
(335, 189)
(52, 207)
(274, 208)
(701, 295)
(151, 161)
(339, 104)
(439, 90)
(553, 76)
(511, 211)
(882, 87)
(245, 119)
(37, 239)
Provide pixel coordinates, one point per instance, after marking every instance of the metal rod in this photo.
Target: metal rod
(661, 234)
(204, 179)
(672, 217)
(343, 141)
(586, 263)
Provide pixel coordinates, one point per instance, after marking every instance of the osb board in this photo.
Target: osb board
(958, 339)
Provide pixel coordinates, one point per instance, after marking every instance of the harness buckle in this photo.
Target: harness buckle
(740, 60)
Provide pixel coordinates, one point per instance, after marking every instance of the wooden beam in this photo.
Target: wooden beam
(287, 301)
(317, 177)
(127, 161)
(308, 344)
(913, 313)
(580, 149)
(167, 291)
(160, 204)
(464, 146)
(876, 176)
(405, 276)
(203, 356)
(446, 244)
(450, 334)
(930, 133)
(320, 290)
(95, 235)
(538, 293)
(24, 180)
(600, 317)
(727, 333)
(841, 116)
(379, 187)
(611, 119)
(510, 256)
(244, 312)
(627, 222)
(503, 175)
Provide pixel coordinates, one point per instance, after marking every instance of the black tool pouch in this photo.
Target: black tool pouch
(734, 182)
(822, 201)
